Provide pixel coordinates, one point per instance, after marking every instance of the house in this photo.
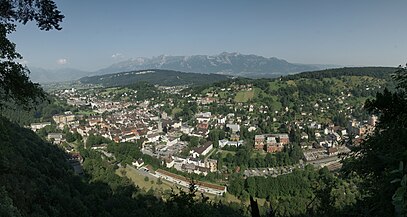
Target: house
(203, 117)
(201, 150)
(138, 163)
(130, 138)
(56, 138)
(332, 151)
(225, 142)
(304, 136)
(37, 126)
(169, 162)
(192, 168)
(235, 128)
(259, 142)
(202, 126)
(154, 137)
(222, 120)
(172, 141)
(177, 124)
(186, 129)
(272, 145)
(63, 119)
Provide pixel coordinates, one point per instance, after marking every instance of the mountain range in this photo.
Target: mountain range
(234, 64)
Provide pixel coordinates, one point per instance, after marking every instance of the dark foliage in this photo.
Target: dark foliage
(14, 82)
(379, 72)
(37, 180)
(381, 153)
(155, 77)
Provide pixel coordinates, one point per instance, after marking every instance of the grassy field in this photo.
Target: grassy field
(139, 181)
(176, 110)
(114, 90)
(222, 95)
(244, 96)
(224, 152)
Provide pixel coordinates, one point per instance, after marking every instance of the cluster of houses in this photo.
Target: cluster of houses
(145, 120)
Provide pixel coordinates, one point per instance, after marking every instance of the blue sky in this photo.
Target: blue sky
(100, 32)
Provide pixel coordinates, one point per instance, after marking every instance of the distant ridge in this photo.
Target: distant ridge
(154, 76)
(379, 72)
(236, 64)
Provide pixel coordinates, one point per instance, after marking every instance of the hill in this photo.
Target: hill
(154, 76)
(235, 64)
(37, 180)
(326, 96)
(378, 72)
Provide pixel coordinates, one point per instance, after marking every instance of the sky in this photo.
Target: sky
(98, 33)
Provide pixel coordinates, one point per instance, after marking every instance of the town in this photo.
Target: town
(204, 137)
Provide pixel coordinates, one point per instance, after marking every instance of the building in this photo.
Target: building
(169, 162)
(225, 142)
(184, 182)
(138, 163)
(37, 126)
(201, 150)
(235, 128)
(63, 119)
(56, 138)
(271, 142)
(203, 117)
(373, 120)
(259, 142)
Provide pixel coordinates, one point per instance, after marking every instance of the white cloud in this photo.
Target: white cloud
(117, 56)
(62, 61)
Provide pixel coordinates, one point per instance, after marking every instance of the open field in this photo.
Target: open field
(138, 178)
(224, 152)
(244, 96)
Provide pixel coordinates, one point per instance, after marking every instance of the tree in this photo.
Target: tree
(236, 184)
(70, 137)
(381, 153)
(7, 207)
(14, 81)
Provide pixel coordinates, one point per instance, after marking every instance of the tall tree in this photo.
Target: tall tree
(381, 153)
(15, 84)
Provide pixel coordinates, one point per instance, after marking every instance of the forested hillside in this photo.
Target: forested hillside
(37, 180)
(155, 77)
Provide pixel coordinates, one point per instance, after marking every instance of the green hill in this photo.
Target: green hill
(378, 72)
(154, 76)
(323, 96)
